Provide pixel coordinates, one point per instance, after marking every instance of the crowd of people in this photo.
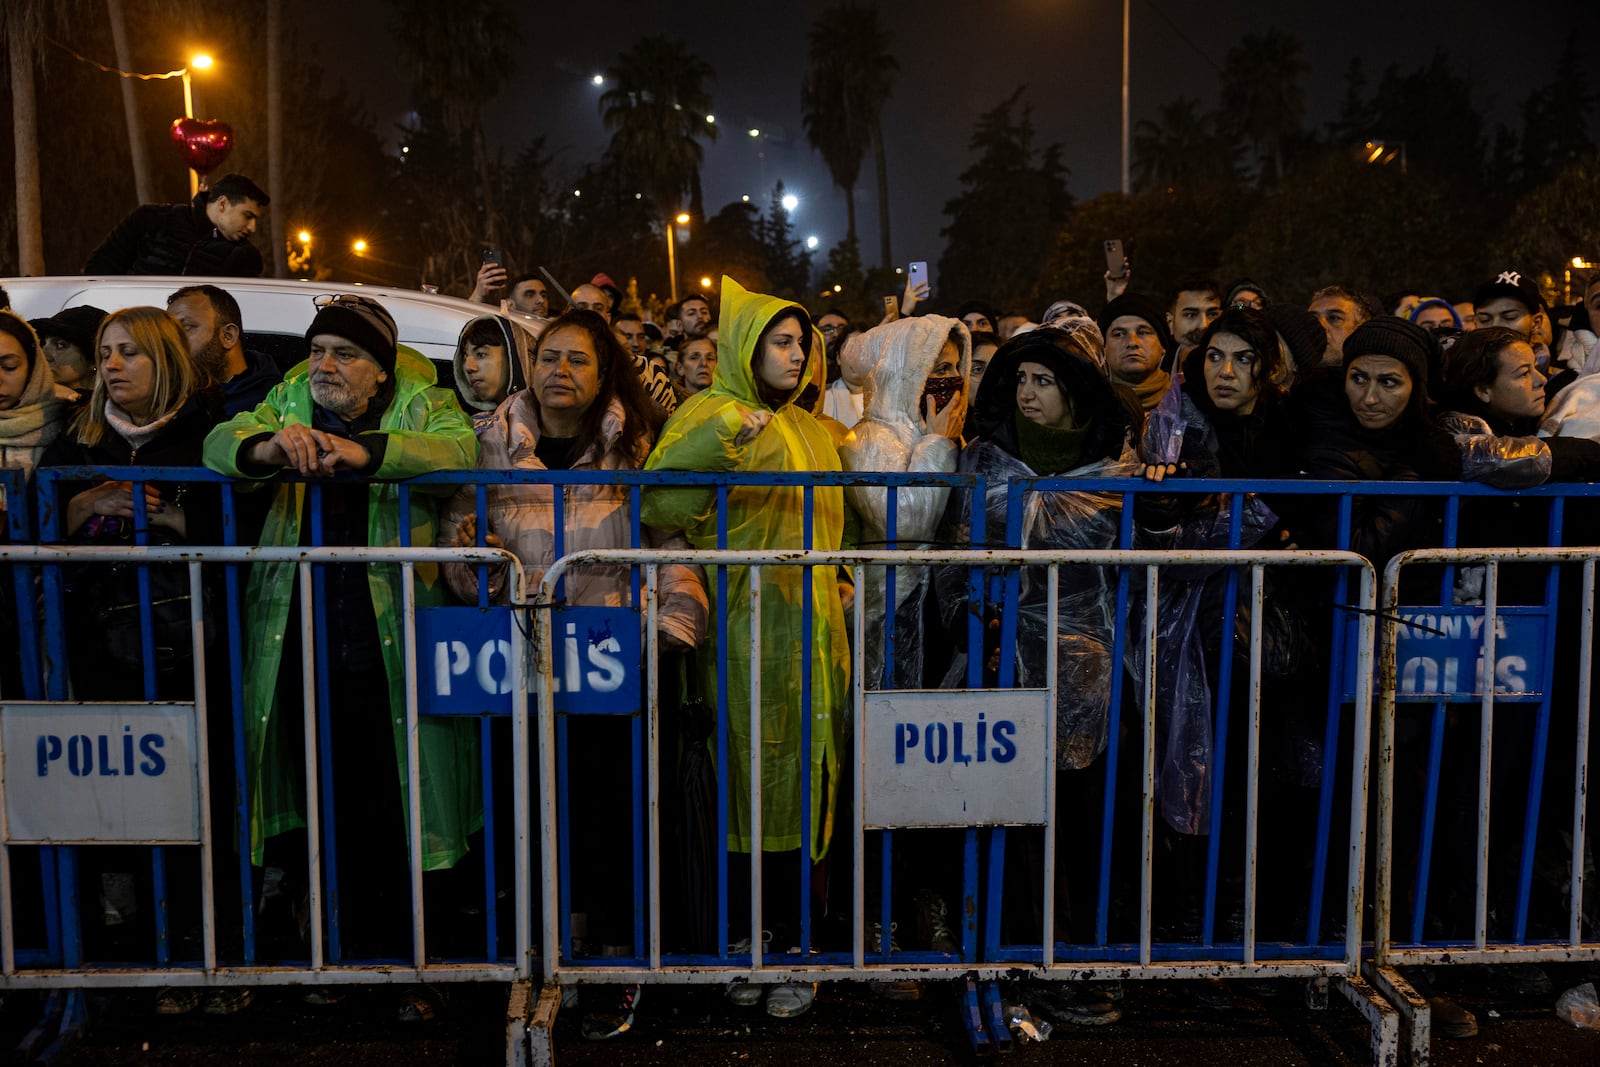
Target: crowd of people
(1212, 381)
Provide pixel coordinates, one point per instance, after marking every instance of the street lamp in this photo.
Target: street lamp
(359, 247)
(1577, 263)
(198, 61)
(682, 219)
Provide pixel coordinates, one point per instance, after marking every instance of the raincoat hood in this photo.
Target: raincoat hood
(519, 359)
(744, 316)
(901, 353)
(992, 414)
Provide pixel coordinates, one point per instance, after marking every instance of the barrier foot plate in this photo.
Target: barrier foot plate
(541, 1027)
(1416, 1018)
(65, 1016)
(972, 1019)
(994, 1016)
(1380, 1016)
(519, 1010)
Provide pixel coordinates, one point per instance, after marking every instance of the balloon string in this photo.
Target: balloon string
(114, 70)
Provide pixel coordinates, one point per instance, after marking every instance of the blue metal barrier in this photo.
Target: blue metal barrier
(983, 852)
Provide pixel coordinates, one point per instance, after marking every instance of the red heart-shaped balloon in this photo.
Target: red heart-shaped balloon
(203, 143)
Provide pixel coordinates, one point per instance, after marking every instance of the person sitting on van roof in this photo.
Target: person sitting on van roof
(209, 235)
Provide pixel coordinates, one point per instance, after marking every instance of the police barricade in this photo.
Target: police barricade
(973, 759)
(117, 772)
(1486, 679)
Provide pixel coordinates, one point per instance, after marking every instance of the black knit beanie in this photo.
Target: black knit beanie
(1141, 307)
(1302, 331)
(1387, 335)
(362, 321)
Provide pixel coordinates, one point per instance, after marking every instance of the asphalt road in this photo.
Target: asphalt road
(1163, 1023)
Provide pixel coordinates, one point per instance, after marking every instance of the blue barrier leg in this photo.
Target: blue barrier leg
(158, 887)
(972, 1017)
(969, 896)
(564, 841)
(491, 896)
(1430, 811)
(994, 1016)
(808, 823)
(637, 792)
(992, 896)
(885, 895)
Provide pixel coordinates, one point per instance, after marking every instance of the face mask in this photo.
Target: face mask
(943, 390)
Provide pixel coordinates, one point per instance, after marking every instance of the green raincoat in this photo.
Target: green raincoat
(700, 437)
(426, 431)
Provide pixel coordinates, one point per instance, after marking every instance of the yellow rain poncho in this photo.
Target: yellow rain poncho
(700, 437)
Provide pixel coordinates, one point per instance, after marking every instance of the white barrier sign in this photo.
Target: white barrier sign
(956, 757)
(91, 773)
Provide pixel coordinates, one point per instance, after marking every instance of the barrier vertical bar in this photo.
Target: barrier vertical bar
(1219, 739)
(1330, 737)
(1491, 588)
(722, 731)
(408, 614)
(1430, 814)
(197, 650)
(563, 827)
(653, 713)
(1052, 607)
(1359, 771)
(1580, 795)
(858, 701)
(327, 799)
(1541, 738)
(309, 716)
(552, 941)
(234, 621)
(1253, 766)
(754, 756)
(1108, 811)
(977, 527)
(808, 648)
(1147, 802)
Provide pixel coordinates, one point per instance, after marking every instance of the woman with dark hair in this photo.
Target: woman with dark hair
(1383, 430)
(749, 420)
(33, 407)
(584, 409)
(1495, 396)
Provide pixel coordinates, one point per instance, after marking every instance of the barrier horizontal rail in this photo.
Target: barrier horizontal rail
(1417, 946)
(71, 973)
(762, 968)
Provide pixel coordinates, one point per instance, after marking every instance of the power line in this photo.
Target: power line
(1173, 26)
(114, 70)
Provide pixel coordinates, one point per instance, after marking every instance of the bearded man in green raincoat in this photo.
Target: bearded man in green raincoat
(748, 420)
(359, 404)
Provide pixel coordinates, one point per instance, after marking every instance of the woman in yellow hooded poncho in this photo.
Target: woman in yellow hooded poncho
(749, 420)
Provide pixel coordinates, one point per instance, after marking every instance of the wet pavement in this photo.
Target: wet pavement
(1163, 1022)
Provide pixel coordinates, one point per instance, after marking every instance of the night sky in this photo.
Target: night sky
(958, 59)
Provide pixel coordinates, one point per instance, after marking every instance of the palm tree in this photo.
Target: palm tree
(1182, 148)
(1264, 97)
(460, 55)
(656, 111)
(22, 24)
(849, 76)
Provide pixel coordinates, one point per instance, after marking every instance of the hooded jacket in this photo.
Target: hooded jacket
(1050, 520)
(423, 429)
(516, 361)
(700, 437)
(173, 239)
(593, 516)
(893, 437)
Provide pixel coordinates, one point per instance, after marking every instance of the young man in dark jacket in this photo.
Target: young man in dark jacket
(210, 235)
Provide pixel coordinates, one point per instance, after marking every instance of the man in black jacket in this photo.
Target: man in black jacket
(209, 236)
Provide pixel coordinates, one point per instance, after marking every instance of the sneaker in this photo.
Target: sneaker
(875, 938)
(603, 1025)
(230, 1000)
(933, 922)
(1451, 1020)
(1072, 1003)
(791, 999)
(178, 1000)
(745, 994)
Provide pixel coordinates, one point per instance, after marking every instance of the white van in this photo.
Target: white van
(276, 311)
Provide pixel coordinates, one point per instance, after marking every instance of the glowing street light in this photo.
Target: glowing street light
(304, 237)
(754, 132)
(598, 79)
(711, 120)
(359, 247)
(681, 219)
(705, 282)
(838, 288)
(790, 202)
(198, 61)
(812, 241)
